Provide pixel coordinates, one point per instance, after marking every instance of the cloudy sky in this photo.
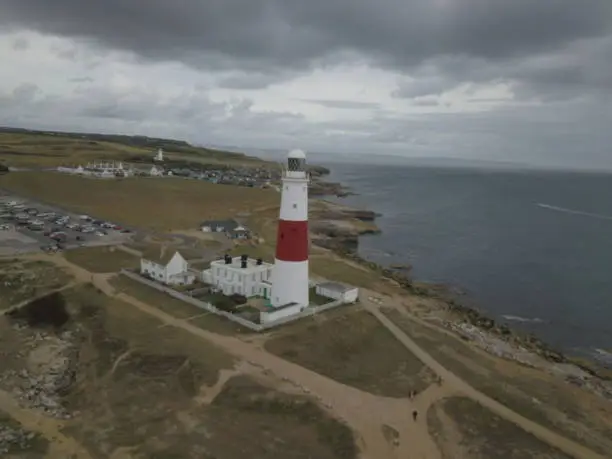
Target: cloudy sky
(512, 80)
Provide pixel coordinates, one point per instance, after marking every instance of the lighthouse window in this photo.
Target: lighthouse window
(295, 206)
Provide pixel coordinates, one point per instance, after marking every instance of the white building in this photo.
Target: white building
(155, 172)
(274, 314)
(337, 291)
(291, 260)
(166, 266)
(240, 275)
(160, 155)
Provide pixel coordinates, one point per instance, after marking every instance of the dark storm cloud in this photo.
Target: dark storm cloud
(293, 33)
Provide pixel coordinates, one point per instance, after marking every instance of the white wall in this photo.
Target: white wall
(156, 271)
(290, 283)
(294, 200)
(348, 296)
(271, 316)
(161, 273)
(234, 280)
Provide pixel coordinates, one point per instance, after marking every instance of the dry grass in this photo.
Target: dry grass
(162, 393)
(21, 280)
(539, 396)
(463, 429)
(174, 307)
(106, 259)
(336, 269)
(162, 204)
(36, 149)
(364, 355)
(284, 426)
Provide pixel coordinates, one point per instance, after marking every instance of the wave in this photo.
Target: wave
(603, 356)
(574, 212)
(522, 319)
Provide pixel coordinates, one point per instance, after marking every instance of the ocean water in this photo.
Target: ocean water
(532, 249)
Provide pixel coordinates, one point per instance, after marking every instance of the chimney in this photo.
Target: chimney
(228, 259)
(244, 257)
(259, 262)
(243, 264)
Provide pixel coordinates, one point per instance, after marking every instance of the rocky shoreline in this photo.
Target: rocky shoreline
(338, 228)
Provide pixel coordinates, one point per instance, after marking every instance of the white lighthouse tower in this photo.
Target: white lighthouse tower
(290, 274)
(160, 155)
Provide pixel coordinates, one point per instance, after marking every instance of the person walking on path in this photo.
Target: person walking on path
(415, 413)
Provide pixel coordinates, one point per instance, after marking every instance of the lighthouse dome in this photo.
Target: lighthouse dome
(296, 154)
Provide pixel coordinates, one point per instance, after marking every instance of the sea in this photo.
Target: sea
(532, 249)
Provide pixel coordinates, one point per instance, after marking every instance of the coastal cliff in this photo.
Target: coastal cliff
(338, 228)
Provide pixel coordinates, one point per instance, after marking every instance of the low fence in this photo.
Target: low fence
(194, 301)
(211, 308)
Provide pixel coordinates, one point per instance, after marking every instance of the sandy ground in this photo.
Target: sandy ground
(365, 413)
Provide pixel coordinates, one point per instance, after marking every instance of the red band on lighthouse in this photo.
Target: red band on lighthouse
(292, 241)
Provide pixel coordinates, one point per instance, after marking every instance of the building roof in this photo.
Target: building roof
(161, 255)
(252, 266)
(335, 286)
(228, 225)
(297, 154)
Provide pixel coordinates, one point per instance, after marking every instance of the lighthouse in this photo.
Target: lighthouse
(290, 274)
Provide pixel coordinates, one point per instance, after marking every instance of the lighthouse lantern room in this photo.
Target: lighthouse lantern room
(290, 274)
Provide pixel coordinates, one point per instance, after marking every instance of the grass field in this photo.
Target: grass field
(285, 426)
(363, 355)
(174, 307)
(539, 396)
(463, 429)
(22, 280)
(162, 204)
(106, 259)
(163, 393)
(30, 149)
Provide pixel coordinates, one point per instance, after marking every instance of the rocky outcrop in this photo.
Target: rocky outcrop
(321, 188)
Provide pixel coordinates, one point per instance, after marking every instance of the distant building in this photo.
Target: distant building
(159, 156)
(166, 266)
(337, 291)
(240, 275)
(155, 172)
(219, 226)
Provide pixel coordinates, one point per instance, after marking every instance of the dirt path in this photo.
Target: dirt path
(364, 412)
(60, 445)
(550, 437)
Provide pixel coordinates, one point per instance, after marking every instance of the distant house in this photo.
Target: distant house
(231, 228)
(240, 232)
(219, 226)
(166, 266)
(155, 172)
